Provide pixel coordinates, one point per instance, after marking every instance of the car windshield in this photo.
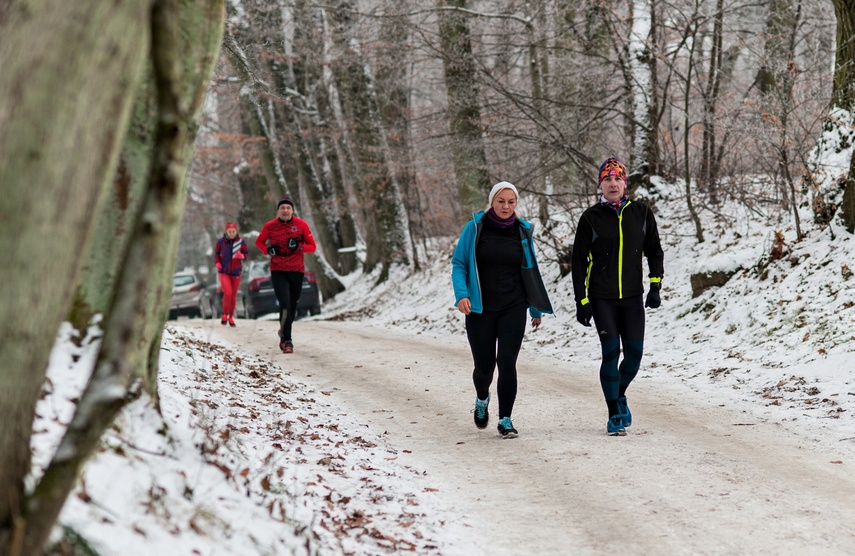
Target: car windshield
(259, 269)
(182, 280)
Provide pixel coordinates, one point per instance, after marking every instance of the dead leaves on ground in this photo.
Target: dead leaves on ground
(244, 407)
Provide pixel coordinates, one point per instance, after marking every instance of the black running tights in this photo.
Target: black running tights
(288, 287)
(619, 322)
(495, 338)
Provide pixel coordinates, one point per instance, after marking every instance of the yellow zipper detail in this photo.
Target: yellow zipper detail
(620, 252)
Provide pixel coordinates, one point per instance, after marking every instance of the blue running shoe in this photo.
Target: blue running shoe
(615, 426)
(625, 415)
(506, 428)
(481, 413)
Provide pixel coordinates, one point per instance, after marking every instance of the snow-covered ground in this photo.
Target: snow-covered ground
(775, 342)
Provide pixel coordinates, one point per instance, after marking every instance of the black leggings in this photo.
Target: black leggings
(495, 338)
(288, 287)
(619, 321)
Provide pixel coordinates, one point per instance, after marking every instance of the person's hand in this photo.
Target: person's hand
(219, 267)
(271, 250)
(653, 299)
(535, 322)
(293, 244)
(238, 256)
(584, 313)
(464, 306)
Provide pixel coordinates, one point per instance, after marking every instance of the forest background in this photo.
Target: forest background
(387, 122)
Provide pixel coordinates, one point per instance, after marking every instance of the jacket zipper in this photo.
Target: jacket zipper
(620, 251)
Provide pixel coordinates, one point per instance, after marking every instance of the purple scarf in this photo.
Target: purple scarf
(498, 222)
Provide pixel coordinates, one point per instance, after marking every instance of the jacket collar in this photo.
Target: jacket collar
(478, 217)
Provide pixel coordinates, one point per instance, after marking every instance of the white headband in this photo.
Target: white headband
(500, 186)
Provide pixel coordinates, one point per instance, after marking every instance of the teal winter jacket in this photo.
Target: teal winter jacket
(464, 270)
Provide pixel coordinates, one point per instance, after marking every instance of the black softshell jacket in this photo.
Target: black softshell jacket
(607, 251)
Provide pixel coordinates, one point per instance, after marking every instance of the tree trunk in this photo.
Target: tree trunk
(67, 76)
(641, 63)
(183, 28)
(708, 175)
(464, 111)
(687, 126)
(301, 76)
(393, 98)
(844, 93)
(377, 194)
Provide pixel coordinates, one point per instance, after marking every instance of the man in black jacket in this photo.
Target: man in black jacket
(608, 284)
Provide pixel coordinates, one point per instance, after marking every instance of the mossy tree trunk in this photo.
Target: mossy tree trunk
(464, 109)
(80, 63)
(68, 72)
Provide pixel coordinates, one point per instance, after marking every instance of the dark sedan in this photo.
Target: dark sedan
(256, 296)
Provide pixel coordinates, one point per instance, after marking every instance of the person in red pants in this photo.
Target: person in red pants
(229, 253)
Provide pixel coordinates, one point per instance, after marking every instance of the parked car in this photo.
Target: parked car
(189, 296)
(256, 296)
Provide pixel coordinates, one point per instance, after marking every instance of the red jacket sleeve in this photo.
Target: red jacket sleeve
(218, 253)
(309, 245)
(261, 240)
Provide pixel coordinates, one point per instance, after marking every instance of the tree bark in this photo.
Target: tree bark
(464, 110)
(642, 63)
(186, 35)
(687, 126)
(844, 93)
(708, 174)
(68, 71)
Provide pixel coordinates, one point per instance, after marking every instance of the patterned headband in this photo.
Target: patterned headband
(612, 167)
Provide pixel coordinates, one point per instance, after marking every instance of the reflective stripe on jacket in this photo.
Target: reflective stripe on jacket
(608, 249)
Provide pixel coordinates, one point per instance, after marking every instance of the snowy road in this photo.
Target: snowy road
(690, 477)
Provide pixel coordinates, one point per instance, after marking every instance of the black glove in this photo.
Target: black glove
(653, 299)
(272, 250)
(293, 244)
(584, 313)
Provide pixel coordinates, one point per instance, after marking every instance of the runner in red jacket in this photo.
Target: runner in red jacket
(284, 239)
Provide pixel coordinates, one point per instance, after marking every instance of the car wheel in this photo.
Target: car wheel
(172, 315)
(316, 310)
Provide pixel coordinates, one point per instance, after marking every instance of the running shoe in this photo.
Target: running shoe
(623, 409)
(615, 426)
(231, 321)
(224, 320)
(481, 413)
(286, 346)
(506, 428)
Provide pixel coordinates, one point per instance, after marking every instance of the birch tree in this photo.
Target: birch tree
(642, 64)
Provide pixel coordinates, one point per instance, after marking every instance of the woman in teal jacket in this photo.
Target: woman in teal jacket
(495, 277)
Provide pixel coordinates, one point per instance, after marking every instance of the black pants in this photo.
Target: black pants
(619, 321)
(495, 338)
(288, 287)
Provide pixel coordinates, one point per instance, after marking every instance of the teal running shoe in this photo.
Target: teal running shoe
(481, 413)
(506, 428)
(623, 409)
(615, 426)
